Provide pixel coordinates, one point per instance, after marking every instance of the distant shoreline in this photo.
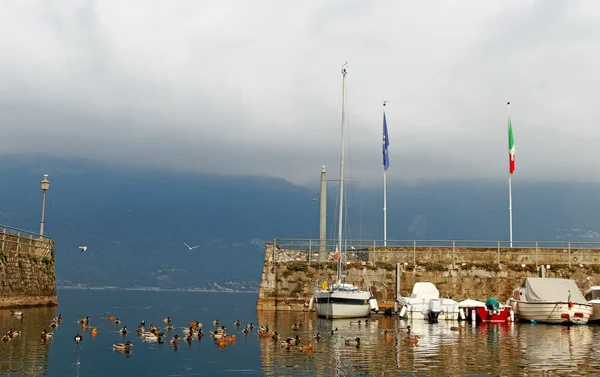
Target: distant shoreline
(66, 287)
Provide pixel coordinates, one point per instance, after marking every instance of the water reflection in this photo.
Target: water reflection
(445, 348)
(26, 354)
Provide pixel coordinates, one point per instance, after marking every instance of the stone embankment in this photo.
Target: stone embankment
(290, 275)
(27, 275)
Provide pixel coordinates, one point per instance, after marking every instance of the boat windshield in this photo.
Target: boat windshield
(594, 294)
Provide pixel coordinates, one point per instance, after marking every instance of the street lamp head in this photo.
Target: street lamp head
(45, 183)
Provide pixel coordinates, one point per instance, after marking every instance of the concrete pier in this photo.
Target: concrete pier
(459, 269)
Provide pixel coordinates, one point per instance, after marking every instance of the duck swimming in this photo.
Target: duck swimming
(412, 340)
(353, 342)
(387, 335)
(175, 341)
(123, 331)
(124, 347)
(78, 338)
(318, 336)
(46, 335)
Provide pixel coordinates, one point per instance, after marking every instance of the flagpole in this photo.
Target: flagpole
(510, 214)
(384, 195)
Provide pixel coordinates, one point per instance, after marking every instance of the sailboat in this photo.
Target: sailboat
(342, 300)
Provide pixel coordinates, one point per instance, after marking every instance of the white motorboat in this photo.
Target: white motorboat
(550, 300)
(425, 303)
(592, 295)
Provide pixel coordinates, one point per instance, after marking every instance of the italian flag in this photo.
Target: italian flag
(511, 147)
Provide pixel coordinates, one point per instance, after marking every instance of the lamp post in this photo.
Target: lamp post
(45, 184)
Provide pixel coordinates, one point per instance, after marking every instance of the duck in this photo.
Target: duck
(318, 336)
(17, 314)
(13, 333)
(353, 342)
(126, 347)
(167, 320)
(295, 327)
(307, 348)
(46, 335)
(6, 338)
(237, 323)
(117, 321)
(123, 331)
(94, 331)
(406, 330)
(216, 322)
(54, 324)
(59, 318)
(110, 317)
(455, 328)
(245, 330)
(251, 325)
(412, 340)
(334, 331)
(78, 338)
(170, 327)
(290, 341)
(195, 324)
(200, 334)
(175, 340)
(387, 335)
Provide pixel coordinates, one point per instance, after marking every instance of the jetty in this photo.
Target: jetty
(26, 269)
(460, 269)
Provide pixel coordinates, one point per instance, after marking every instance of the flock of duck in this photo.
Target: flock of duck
(219, 335)
(290, 343)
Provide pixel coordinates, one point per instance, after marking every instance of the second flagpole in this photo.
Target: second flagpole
(511, 161)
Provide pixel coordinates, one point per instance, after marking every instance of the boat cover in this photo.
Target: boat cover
(425, 290)
(552, 289)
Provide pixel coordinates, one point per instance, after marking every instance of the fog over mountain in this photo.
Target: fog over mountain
(134, 221)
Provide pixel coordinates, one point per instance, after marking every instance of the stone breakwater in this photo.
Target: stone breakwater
(291, 275)
(27, 275)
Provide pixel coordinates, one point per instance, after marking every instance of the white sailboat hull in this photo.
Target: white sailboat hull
(551, 312)
(342, 304)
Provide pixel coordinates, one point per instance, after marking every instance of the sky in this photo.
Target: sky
(240, 87)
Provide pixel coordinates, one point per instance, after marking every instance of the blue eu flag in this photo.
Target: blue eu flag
(384, 145)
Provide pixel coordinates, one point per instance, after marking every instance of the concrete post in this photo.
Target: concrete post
(323, 217)
(569, 254)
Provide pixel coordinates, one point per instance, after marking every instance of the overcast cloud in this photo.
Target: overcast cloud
(255, 86)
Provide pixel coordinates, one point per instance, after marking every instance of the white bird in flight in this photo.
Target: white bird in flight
(83, 248)
(191, 247)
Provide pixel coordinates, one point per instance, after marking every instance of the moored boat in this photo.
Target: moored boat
(592, 295)
(479, 311)
(425, 303)
(550, 300)
(341, 299)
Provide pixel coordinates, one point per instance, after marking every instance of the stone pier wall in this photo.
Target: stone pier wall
(291, 275)
(27, 276)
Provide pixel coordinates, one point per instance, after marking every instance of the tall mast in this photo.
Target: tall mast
(341, 209)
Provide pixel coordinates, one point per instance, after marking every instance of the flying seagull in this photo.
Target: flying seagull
(191, 247)
(83, 248)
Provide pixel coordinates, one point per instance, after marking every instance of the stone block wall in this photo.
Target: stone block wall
(289, 279)
(27, 277)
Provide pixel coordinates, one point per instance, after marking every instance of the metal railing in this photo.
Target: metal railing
(14, 240)
(454, 251)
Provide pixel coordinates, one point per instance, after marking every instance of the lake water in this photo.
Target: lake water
(514, 349)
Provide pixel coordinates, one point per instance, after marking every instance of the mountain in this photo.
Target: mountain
(134, 221)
